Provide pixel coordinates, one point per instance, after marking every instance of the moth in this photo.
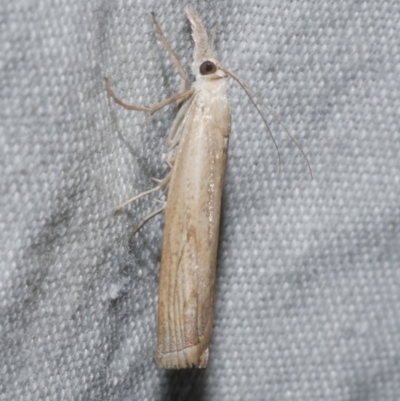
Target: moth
(197, 155)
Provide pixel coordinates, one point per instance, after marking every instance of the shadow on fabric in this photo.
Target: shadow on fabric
(185, 384)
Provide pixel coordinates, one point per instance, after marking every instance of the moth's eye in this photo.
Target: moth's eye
(207, 68)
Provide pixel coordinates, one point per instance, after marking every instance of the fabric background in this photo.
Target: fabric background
(308, 291)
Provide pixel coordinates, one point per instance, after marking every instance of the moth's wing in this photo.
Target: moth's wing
(188, 263)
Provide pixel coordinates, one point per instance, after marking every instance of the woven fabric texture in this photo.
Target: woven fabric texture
(308, 288)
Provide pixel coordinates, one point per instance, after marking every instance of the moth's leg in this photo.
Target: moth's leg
(162, 184)
(165, 181)
(145, 220)
(122, 205)
(152, 109)
(173, 56)
(170, 159)
(175, 132)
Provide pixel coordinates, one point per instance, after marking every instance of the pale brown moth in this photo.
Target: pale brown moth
(197, 155)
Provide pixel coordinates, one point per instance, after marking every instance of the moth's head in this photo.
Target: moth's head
(205, 65)
(209, 69)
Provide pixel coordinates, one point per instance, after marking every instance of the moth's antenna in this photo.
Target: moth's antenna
(265, 104)
(247, 90)
(238, 80)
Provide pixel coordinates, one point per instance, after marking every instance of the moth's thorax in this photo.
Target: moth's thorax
(216, 86)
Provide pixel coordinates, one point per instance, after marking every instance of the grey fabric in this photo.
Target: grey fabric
(308, 292)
